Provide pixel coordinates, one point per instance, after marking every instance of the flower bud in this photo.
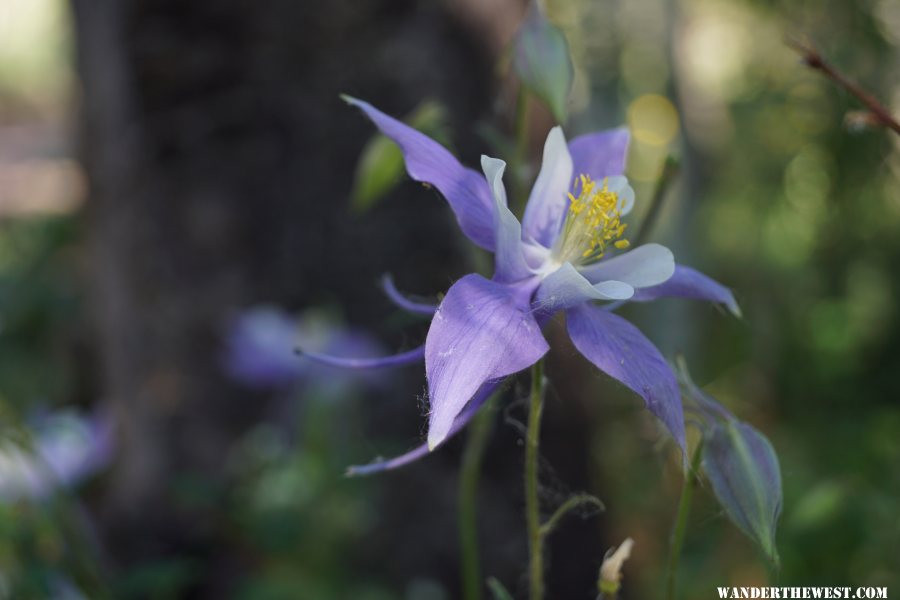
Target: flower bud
(611, 569)
(541, 59)
(743, 471)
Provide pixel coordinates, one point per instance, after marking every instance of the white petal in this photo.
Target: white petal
(645, 266)
(548, 202)
(565, 288)
(509, 260)
(619, 185)
(535, 254)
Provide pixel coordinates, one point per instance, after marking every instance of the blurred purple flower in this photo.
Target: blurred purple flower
(66, 448)
(558, 258)
(262, 347)
(63, 588)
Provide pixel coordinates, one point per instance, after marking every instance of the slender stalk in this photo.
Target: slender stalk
(499, 592)
(476, 442)
(480, 429)
(532, 505)
(519, 166)
(670, 170)
(681, 520)
(813, 59)
(568, 506)
(522, 126)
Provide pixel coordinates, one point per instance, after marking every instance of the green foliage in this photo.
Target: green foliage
(380, 167)
(799, 216)
(163, 579)
(38, 305)
(498, 591)
(299, 516)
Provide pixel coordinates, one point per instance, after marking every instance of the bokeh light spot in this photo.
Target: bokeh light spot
(653, 120)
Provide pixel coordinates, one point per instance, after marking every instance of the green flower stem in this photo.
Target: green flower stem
(480, 429)
(476, 441)
(684, 510)
(522, 126)
(519, 164)
(669, 172)
(532, 505)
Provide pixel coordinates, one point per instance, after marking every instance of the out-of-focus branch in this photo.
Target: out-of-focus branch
(670, 170)
(813, 59)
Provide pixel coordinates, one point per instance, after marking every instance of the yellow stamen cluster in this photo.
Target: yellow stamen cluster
(592, 224)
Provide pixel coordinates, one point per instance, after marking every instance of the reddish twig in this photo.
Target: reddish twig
(813, 59)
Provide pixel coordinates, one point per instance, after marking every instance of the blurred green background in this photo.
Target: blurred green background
(778, 198)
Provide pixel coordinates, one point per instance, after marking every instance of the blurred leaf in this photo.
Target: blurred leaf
(499, 142)
(378, 171)
(818, 505)
(743, 470)
(380, 166)
(497, 590)
(541, 59)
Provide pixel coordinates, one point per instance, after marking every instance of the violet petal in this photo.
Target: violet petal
(620, 350)
(429, 162)
(690, 283)
(461, 420)
(601, 154)
(482, 331)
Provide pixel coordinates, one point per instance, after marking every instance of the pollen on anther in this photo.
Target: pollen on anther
(593, 222)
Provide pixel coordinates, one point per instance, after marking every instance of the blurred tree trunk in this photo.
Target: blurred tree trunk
(219, 159)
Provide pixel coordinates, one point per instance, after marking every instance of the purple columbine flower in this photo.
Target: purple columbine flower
(568, 251)
(67, 448)
(261, 344)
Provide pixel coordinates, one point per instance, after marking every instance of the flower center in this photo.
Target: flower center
(592, 224)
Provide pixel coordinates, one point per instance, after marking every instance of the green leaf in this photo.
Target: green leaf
(745, 476)
(541, 59)
(380, 166)
(379, 169)
(497, 590)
